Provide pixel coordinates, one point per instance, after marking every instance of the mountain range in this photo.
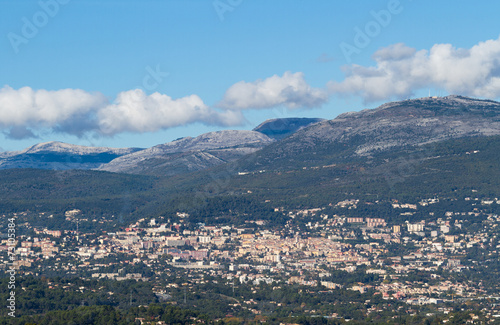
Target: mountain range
(412, 149)
(279, 143)
(177, 157)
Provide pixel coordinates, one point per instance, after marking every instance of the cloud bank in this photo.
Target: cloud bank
(401, 70)
(290, 90)
(25, 111)
(77, 112)
(134, 111)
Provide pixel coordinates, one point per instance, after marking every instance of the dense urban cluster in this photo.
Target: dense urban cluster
(412, 263)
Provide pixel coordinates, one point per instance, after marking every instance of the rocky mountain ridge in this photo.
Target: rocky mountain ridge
(61, 156)
(281, 142)
(190, 154)
(395, 125)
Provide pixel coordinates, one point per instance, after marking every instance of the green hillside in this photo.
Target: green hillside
(449, 169)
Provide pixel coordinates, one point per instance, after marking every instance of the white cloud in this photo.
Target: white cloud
(24, 112)
(290, 90)
(26, 107)
(401, 70)
(135, 111)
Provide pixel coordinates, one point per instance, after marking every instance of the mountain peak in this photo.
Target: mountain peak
(426, 107)
(190, 154)
(61, 156)
(395, 125)
(214, 140)
(62, 147)
(449, 101)
(49, 146)
(280, 128)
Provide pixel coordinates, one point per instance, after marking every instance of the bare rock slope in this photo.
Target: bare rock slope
(190, 154)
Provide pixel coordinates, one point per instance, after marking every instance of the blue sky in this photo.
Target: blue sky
(139, 73)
